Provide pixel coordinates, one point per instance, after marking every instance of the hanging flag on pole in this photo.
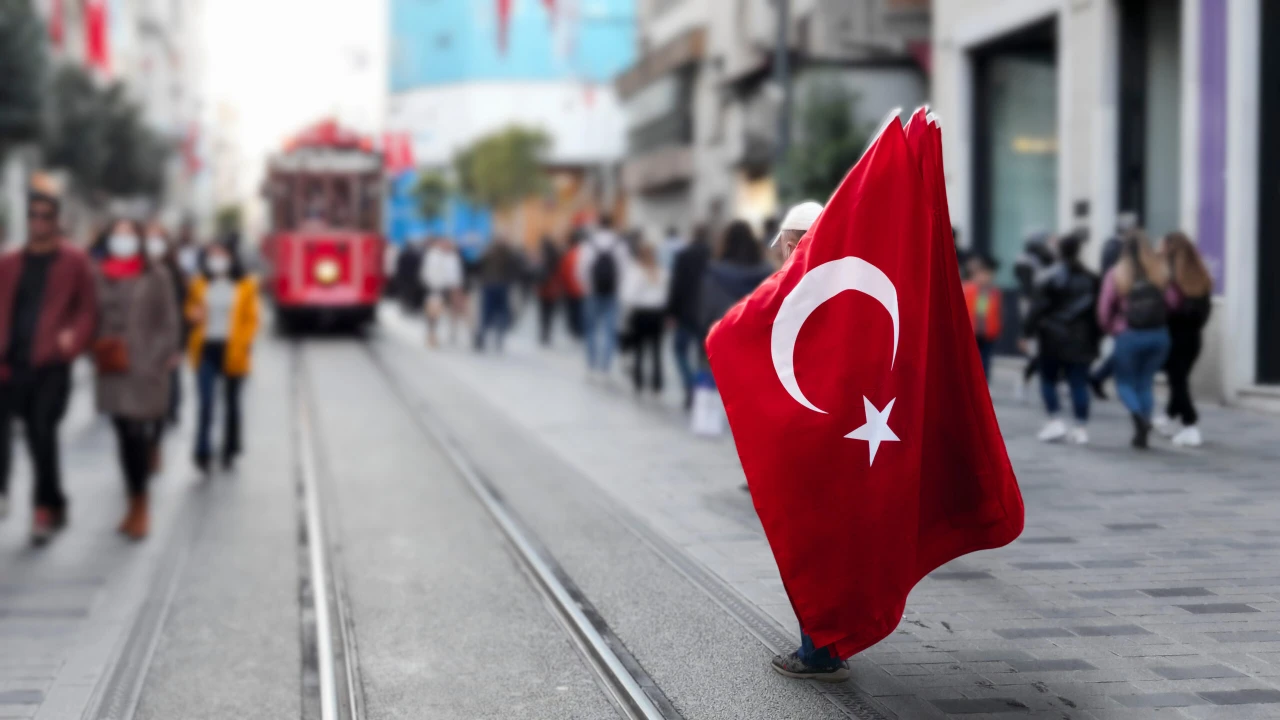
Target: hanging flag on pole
(97, 48)
(504, 24)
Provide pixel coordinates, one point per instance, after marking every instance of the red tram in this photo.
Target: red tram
(324, 251)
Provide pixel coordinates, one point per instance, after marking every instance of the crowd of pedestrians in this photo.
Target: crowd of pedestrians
(132, 303)
(1150, 304)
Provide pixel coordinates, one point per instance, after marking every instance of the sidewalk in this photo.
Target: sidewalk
(1145, 585)
(67, 610)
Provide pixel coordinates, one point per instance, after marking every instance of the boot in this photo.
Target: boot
(1141, 429)
(137, 521)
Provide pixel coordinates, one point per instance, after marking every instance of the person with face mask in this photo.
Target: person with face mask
(222, 307)
(137, 336)
(161, 252)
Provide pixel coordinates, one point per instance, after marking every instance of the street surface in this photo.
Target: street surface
(1145, 585)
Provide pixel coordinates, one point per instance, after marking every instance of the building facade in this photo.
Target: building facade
(462, 69)
(1063, 114)
(703, 109)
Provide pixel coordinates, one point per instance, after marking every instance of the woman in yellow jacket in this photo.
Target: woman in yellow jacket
(222, 307)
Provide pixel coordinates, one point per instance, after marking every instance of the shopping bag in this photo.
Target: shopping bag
(707, 418)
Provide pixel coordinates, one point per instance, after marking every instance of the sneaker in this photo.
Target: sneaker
(1053, 431)
(4, 506)
(1188, 437)
(791, 666)
(42, 526)
(1165, 425)
(1078, 436)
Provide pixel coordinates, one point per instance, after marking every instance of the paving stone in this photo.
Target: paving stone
(1054, 540)
(1046, 566)
(1110, 630)
(1109, 564)
(1242, 697)
(1030, 666)
(1132, 527)
(21, 697)
(1177, 592)
(1196, 672)
(1026, 633)
(1239, 636)
(1159, 700)
(962, 575)
(1219, 608)
(981, 705)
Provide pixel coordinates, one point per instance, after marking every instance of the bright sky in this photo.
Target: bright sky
(284, 64)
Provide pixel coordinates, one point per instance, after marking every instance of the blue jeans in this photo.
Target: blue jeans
(1139, 355)
(207, 376)
(602, 330)
(1077, 379)
(682, 343)
(985, 347)
(821, 658)
(495, 313)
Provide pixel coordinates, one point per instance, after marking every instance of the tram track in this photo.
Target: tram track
(630, 688)
(332, 688)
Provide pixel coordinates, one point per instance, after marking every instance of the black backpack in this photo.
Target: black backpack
(1147, 309)
(604, 273)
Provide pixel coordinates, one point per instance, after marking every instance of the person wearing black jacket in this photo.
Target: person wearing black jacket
(739, 269)
(1063, 318)
(682, 305)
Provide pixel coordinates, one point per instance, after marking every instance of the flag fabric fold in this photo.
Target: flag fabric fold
(852, 384)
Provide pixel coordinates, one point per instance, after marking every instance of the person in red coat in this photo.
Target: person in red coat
(983, 300)
(48, 309)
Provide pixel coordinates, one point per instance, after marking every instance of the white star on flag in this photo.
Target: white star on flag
(876, 429)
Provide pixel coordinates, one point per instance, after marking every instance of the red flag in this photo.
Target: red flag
(846, 379)
(57, 24)
(97, 49)
(504, 23)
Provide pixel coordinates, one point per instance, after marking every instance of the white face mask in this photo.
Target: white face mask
(219, 265)
(123, 245)
(156, 247)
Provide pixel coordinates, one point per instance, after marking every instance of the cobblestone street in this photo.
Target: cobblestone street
(1145, 585)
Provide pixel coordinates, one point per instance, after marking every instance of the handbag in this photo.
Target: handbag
(707, 418)
(111, 355)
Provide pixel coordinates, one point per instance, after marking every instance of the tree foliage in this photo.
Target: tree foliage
(828, 142)
(431, 193)
(98, 136)
(228, 219)
(23, 66)
(501, 169)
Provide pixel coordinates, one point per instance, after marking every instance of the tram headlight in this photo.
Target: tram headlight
(326, 272)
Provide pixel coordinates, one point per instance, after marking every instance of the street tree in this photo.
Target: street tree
(503, 169)
(74, 137)
(431, 193)
(23, 65)
(828, 142)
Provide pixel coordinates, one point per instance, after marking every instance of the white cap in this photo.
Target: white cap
(801, 217)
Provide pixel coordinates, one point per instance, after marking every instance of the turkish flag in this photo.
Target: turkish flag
(867, 439)
(97, 49)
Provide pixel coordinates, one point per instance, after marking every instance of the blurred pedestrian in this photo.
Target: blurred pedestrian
(983, 300)
(550, 287)
(408, 275)
(644, 298)
(737, 270)
(571, 283)
(186, 252)
(133, 350)
(1062, 319)
(1133, 307)
(162, 253)
(672, 244)
(1193, 284)
(1126, 222)
(684, 310)
(443, 275)
(47, 316)
(500, 269)
(1036, 257)
(602, 261)
(222, 306)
